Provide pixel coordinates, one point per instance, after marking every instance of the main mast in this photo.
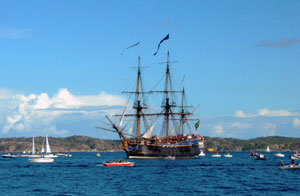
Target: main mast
(167, 106)
(137, 104)
(182, 111)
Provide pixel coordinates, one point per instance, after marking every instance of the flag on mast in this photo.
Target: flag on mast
(130, 47)
(164, 39)
(197, 124)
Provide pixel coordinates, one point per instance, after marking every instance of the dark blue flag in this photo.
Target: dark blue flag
(130, 47)
(167, 37)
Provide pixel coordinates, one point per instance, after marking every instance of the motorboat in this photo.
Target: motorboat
(41, 160)
(216, 155)
(254, 154)
(118, 164)
(9, 155)
(169, 158)
(295, 156)
(291, 166)
(261, 157)
(98, 154)
(201, 154)
(228, 155)
(279, 154)
(63, 154)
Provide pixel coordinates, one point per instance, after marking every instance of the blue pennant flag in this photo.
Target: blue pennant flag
(167, 37)
(130, 47)
(197, 124)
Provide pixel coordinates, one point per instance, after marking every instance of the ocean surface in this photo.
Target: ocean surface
(83, 174)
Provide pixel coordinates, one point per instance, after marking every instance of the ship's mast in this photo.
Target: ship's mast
(182, 111)
(137, 104)
(167, 106)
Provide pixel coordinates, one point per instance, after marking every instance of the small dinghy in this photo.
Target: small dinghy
(228, 155)
(98, 154)
(169, 158)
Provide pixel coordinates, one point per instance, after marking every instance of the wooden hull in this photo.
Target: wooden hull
(159, 151)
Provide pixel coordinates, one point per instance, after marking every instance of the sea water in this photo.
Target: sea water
(83, 174)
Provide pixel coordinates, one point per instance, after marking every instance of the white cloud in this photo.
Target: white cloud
(241, 125)
(39, 111)
(10, 33)
(296, 123)
(269, 126)
(240, 114)
(219, 129)
(264, 112)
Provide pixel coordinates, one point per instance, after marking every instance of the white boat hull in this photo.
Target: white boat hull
(41, 160)
(50, 156)
(216, 155)
(279, 155)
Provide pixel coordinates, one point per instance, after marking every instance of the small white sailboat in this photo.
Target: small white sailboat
(228, 155)
(201, 154)
(41, 159)
(279, 154)
(44, 158)
(48, 150)
(268, 149)
(33, 151)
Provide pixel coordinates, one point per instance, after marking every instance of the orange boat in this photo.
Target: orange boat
(118, 164)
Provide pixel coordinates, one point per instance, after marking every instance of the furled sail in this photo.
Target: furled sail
(123, 114)
(148, 133)
(172, 131)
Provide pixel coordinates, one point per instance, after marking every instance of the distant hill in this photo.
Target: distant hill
(71, 144)
(88, 144)
(276, 143)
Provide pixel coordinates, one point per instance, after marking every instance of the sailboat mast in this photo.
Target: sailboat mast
(167, 106)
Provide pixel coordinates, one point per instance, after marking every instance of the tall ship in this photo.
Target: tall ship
(162, 131)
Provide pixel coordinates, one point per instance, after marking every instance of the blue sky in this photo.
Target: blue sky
(240, 60)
